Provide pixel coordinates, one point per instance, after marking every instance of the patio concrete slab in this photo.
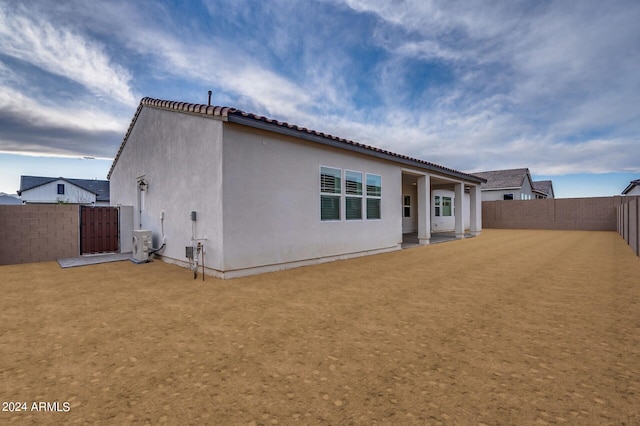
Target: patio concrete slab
(410, 240)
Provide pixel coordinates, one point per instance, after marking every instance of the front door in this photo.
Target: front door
(443, 216)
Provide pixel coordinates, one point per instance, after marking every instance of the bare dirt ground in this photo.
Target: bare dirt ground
(512, 327)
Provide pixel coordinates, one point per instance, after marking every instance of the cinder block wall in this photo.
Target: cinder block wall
(38, 233)
(586, 214)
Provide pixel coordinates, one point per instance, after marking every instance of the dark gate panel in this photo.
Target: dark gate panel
(98, 229)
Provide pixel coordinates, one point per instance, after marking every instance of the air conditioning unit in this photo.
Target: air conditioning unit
(141, 245)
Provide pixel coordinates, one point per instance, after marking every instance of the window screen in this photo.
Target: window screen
(353, 200)
(353, 207)
(330, 183)
(374, 192)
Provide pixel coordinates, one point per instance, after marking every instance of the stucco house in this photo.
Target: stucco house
(633, 188)
(543, 189)
(51, 190)
(262, 195)
(513, 184)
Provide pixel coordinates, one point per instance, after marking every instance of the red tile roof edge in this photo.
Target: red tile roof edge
(224, 112)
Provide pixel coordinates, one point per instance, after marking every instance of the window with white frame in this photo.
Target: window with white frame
(436, 203)
(374, 196)
(353, 195)
(360, 195)
(330, 193)
(507, 197)
(407, 206)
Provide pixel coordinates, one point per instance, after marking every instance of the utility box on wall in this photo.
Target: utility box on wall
(141, 245)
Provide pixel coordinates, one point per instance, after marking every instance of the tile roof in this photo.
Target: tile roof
(545, 186)
(504, 179)
(237, 116)
(98, 187)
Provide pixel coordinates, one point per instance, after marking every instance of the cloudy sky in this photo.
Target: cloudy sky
(473, 85)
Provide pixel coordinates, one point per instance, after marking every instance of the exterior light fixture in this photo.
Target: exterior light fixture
(143, 185)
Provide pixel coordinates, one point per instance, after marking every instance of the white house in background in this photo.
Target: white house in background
(268, 195)
(51, 190)
(513, 184)
(633, 188)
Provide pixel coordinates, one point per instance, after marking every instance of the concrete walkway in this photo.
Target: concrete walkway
(93, 259)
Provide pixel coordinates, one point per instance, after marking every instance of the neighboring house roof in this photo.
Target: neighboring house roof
(631, 185)
(234, 115)
(504, 179)
(544, 186)
(98, 187)
(6, 199)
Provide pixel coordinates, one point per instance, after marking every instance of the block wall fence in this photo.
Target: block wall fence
(45, 232)
(617, 213)
(585, 214)
(38, 232)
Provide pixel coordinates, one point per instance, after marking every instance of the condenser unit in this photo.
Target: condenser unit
(141, 245)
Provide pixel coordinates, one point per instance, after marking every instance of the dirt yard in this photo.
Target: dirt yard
(512, 327)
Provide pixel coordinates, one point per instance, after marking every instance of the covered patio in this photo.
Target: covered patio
(427, 219)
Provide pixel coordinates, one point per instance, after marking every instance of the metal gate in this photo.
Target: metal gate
(98, 229)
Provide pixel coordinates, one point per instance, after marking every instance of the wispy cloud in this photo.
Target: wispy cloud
(56, 130)
(58, 50)
(473, 85)
(79, 116)
(533, 84)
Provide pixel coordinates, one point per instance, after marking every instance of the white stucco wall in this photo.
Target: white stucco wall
(125, 228)
(272, 201)
(48, 193)
(256, 194)
(467, 209)
(180, 156)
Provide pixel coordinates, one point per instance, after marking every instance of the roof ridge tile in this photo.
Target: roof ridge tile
(221, 111)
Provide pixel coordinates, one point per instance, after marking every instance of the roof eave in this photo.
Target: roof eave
(235, 116)
(337, 143)
(502, 189)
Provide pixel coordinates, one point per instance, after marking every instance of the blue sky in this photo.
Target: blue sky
(482, 85)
